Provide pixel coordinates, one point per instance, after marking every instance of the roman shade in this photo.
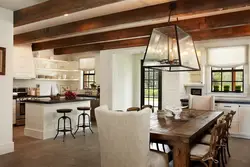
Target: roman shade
(87, 64)
(227, 57)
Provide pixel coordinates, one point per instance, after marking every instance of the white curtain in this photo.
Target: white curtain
(87, 64)
(227, 57)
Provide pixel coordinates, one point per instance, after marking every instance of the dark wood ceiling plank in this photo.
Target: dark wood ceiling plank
(197, 24)
(228, 32)
(184, 7)
(54, 8)
(103, 46)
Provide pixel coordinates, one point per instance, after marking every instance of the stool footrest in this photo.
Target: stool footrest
(65, 130)
(82, 126)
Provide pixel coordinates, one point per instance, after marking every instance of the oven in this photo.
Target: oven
(21, 96)
(20, 113)
(196, 91)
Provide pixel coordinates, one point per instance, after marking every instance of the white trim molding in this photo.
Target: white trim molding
(6, 148)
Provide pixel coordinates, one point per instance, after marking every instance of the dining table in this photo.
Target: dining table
(181, 134)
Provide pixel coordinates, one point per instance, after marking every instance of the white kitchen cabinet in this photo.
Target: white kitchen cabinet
(244, 119)
(23, 62)
(226, 107)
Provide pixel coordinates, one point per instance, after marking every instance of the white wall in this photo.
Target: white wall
(173, 88)
(6, 82)
(117, 77)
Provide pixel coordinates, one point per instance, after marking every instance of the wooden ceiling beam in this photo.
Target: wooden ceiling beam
(103, 46)
(54, 8)
(228, 32)
(184, 7)
(197, 24)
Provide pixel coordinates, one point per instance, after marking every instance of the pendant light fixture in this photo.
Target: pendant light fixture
(171, 49)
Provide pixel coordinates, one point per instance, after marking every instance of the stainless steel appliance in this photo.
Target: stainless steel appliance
(21, 96)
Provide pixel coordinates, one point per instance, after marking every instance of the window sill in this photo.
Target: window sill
(222, 94)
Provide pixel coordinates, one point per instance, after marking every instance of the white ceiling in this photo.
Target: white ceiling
(18, 4)
(90, 13)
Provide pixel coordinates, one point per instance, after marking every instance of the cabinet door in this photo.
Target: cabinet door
(244, 119)
(226, 108)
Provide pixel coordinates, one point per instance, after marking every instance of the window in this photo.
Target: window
(227, 79)
(88, 78)
(151, 87)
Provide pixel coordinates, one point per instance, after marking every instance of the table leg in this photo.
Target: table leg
(181, 155)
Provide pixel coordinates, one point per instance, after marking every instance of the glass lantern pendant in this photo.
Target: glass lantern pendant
(171, 49)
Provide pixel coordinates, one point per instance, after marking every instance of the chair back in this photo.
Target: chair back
(201, 102)
(123, 137)
(229, 120)
(147, 106)
(133, 109)
(216, 137)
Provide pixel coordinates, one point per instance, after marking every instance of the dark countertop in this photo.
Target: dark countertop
(44, 96)
(87, 95)
(62, 100)
(231, 101)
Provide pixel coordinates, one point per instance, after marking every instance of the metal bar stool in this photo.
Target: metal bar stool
(65, 129)
(83, 109)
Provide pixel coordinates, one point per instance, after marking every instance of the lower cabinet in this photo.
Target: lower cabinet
(227, 108)
(241, 121)
(244, 119)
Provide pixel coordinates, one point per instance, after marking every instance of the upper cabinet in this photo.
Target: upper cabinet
(23, 62)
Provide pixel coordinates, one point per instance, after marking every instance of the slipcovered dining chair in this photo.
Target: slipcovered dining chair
(201, 102)
(124, 139)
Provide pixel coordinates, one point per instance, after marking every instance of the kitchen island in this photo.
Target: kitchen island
(41, 116)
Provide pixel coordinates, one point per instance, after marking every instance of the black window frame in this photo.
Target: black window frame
(86, 84)
(233, 81)
(159, 87)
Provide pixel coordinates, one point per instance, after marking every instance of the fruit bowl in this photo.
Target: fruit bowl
(69, 95)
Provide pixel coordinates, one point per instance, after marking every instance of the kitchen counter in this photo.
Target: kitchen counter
(62, 100)
(231, 101)
(41, 115)
(87, 95)
(44, 96)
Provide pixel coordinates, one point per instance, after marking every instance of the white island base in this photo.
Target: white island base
(41, 118)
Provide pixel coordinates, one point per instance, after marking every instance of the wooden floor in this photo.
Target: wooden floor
(84, 151)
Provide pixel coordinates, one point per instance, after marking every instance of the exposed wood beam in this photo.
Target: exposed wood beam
(184, 7)
(54, 8)
(229, 32)
(103, 46)
(197, 24)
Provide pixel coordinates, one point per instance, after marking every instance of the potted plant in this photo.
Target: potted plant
(238, 88)
(226, 88)
(216, 88)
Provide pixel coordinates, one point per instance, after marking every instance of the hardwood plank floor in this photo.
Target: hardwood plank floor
(84, 151)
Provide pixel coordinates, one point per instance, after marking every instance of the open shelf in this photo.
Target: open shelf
(63, 70)
(52, 60)
(44, 79)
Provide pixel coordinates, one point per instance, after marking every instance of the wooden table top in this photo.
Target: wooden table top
(191, 124)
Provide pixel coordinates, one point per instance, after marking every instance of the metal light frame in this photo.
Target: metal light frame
(166, 64)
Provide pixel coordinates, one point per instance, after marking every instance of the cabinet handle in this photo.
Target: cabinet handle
(228, 106)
